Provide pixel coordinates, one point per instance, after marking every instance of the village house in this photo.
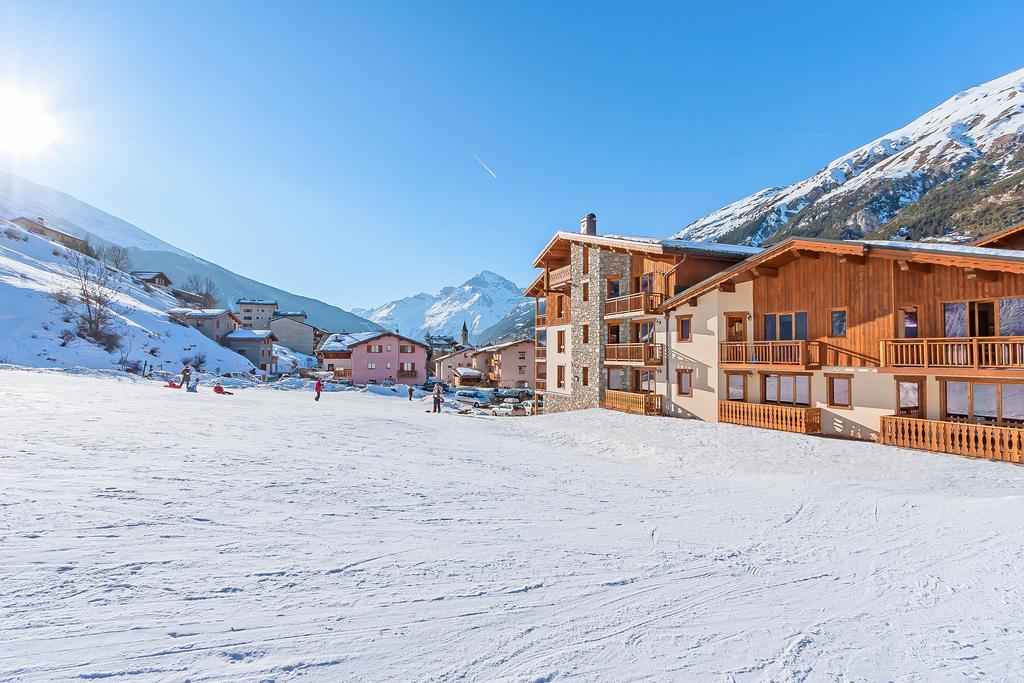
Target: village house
(373, 357)
(293, 331)
(256, 345)
(215, 323)
(39, 227)
(597, 313)
(444, 366)
(152, 278)
(509, 365)
(256, 313)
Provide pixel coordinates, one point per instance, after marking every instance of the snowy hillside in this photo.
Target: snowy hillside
(480, 302)
(957, 170)
(20, 197)
(33, 330)
(154, 535)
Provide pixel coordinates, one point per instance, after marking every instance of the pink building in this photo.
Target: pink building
(510, 365)
(373, 358)
(445, 366)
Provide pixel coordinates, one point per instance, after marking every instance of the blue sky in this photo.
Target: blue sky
(328, 148)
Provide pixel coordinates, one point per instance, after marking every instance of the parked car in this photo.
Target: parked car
(509, 406)
(429, 385)
(518, 394)
(473, 397)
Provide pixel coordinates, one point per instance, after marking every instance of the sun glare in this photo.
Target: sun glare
(26, 126)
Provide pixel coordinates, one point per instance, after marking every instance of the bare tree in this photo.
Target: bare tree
(204, 287)
(117, 257)
(88, 299)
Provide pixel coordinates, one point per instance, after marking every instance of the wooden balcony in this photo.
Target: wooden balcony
(540, 352)
(343, 373)
(781, 354)
(642, 303)
(961, 353)
(540, 384)
(541, 321)
(635, 354)
(957, 438)
(632, 402)
(771, 416)
(560, 277)
(407, 373)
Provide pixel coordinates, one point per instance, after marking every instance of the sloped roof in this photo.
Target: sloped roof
(652, 245)
(199, 312)
(250, 335)
(148, 274)
(469, 349)
(504, 345)
(256, 302)
(467, 372)
(999, 235)
(344, 341)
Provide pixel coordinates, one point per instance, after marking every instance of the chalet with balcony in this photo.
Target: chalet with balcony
(445, 366)
(373, 357)
(597, 313)
(153, 278)
(509, 365)
(215, 323)
(911, 344)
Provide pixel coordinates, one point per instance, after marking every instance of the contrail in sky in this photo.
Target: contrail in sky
(484, 165)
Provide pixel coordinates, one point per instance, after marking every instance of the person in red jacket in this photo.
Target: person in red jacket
(318, 388)
(218, 389)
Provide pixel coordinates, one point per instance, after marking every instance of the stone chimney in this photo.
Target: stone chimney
(588, 225)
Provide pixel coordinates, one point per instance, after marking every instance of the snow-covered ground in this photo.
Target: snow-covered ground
(150, 534)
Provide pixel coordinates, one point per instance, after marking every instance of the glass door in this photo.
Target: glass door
(910, 397)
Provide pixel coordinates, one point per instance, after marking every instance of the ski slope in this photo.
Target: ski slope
(152, 535)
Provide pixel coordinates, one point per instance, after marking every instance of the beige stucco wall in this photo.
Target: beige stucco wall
(555, 359)
(260, 315)
(293, 334)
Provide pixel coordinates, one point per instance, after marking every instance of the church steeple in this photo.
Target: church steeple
(464, 338)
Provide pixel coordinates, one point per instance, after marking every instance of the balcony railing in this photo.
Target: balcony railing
(788, 353)
(540, 384)
(560, 276)
(771, 416)
(540, 352)
(635, 354)
(957, 438)
(407, 373)
(632, 402)
(343, 373)
(642, 302)
(954, 352)
(541, 321)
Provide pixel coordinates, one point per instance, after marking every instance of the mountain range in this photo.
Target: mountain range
(955, 173)
(481, 302)
(20, 197)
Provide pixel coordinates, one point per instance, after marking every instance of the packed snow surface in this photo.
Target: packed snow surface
(149, 534)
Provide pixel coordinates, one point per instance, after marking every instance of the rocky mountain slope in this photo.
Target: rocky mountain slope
(955, 173)
(20, 197)
(480, 302)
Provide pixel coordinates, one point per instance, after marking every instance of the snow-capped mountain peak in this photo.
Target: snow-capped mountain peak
(865, 191)
(479, 302)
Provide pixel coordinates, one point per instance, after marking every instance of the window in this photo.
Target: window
(561, 341)
(684, 382)
(646, 282)
(586, 333)
(908, 322)
(330, 367)
(840, 388)
(983, 402)
(614, 288)
(786, 389)
(586, 291)
(560, 307)
(586, 376)
(199, 323)
(522, 369)
(406, 348)
(371, 366)
(387, 365)
(522, 355)
(736, 386)
(838, 320)
(910, 392)
(645, 381)
(586, 263)
(408, 367)
(217, 325)
(374, 348)
(683, 328)
(643, 331)
(246, 317)
(389, 348)
(560, 376)
(785, 326)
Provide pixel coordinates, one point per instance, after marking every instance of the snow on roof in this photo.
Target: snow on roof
(498, 347)
(468, 349)
(198, 312)
(962, 249)
(146, 274)
(688, 245)
(257, 302)
(467, 372)
(343, 341)
(288, 314)
(247, 335)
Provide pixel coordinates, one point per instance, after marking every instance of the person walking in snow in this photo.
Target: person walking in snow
(410, 392)
(438, 398)
(318, 388)
(186, 375)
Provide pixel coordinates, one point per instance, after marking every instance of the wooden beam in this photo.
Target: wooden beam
(983, 275)
(764, 271)
(914, 266)
(806, 254)
(727, 287)
(854, 259)
(692, 302)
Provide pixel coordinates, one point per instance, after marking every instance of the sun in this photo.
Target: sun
(26, 125)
